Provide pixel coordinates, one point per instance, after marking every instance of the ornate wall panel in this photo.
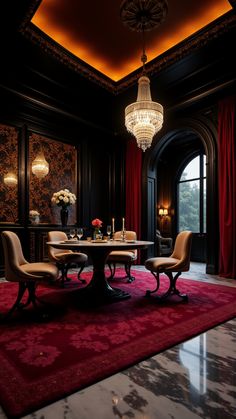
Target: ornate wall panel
(9, 138)
(62, 159)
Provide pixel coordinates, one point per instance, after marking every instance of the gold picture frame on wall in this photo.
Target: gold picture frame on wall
(62, 174)
(9, 178)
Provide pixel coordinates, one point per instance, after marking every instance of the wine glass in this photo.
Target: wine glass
(108, 231)
(80, 233)
(72, 233)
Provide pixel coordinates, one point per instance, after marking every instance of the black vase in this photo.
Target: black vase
(64, 216)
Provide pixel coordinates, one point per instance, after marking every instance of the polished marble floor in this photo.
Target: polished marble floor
(195, 379)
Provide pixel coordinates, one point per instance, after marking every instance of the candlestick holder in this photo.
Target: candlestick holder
(123, 235)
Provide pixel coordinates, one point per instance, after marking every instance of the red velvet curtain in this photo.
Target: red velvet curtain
(227, 187)
(133, 187)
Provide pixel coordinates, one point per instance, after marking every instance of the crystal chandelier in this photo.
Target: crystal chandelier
(143, 118)
(40, 166)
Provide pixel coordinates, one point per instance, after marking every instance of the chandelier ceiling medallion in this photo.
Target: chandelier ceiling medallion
(143, 118)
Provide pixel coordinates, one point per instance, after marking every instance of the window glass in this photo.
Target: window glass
(191, 194)
(191, 171)
(204, 166)
(204, 205)
(189, 206)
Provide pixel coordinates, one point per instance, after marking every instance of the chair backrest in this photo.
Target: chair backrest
(129, 235)
(182, 250)
(56, 236)
(13, 255)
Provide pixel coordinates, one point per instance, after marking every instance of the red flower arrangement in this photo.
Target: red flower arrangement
(97, 223)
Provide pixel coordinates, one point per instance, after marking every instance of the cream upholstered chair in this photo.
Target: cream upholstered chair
(178, 261)
(126, 257)
(28, 275)
(65, 258)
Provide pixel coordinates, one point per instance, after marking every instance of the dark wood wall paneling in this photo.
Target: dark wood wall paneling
(42, 95)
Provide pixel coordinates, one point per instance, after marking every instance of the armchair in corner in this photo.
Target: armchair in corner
(164, 245)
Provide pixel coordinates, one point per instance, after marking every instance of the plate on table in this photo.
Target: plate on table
(71, 241)
(99, 241)
(130, 241)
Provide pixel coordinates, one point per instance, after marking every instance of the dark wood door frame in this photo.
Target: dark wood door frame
(206, 131)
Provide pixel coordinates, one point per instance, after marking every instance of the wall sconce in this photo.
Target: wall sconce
(163, 212)
(40, 166)
(10, 179)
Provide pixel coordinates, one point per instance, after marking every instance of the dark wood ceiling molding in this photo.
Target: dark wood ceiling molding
(172, 56)
(31, 10)
(64, 56)
(175, 54)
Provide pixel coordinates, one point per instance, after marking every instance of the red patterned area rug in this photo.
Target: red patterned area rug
(42, 362)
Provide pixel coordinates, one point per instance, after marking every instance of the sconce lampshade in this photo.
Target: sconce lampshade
(40, 166)
(163, 211)
(10, 179)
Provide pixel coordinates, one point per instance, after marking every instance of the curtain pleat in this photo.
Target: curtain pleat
(227, 187)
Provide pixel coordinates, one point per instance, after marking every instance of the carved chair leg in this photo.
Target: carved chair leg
(17, 305)
(112, 270)
(31, 286)
(80, 271)
(67, 267)
(172, 289)
(127, 270)
(157, 278)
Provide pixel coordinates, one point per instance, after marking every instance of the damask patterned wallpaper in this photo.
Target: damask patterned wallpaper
(9, 138)
(62, 159)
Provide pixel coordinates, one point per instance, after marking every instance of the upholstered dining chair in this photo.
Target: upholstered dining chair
(28, 275)
(126, 257)
(64, 259)
(178, 261)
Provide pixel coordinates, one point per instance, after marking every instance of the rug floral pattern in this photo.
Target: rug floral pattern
(81, 345)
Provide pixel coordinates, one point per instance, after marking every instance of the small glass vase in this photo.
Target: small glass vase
(64, 216)
(97, 235)
(35, 219)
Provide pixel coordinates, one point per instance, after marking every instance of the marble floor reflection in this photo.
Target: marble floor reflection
(195, 379)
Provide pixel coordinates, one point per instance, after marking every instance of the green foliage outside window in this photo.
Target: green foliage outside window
(192, 197)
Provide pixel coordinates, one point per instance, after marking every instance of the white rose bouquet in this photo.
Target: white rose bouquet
(34, 213)
(63, 198)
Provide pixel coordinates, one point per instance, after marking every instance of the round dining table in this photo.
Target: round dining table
(98, 288)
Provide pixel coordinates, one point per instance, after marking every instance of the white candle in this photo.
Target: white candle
(123, 224)
(113, 225)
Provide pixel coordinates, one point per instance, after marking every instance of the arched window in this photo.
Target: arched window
(191, 196)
